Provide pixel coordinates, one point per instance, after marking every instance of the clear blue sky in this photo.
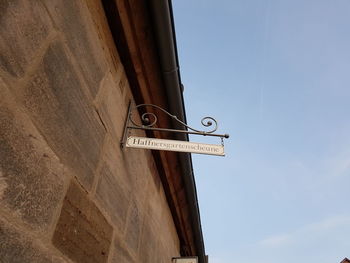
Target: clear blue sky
(276, 75)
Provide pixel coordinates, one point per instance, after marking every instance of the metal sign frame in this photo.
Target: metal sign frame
(149, 123)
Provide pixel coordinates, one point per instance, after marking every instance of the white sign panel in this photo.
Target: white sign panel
(185, 260)
(175, 146)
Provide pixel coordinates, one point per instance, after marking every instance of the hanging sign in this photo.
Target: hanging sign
(149, 123)
(175, 146)
(185, 260)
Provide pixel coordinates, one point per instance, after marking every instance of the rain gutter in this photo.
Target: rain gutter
(163, 23)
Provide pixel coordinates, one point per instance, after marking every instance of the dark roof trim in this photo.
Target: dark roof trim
(163, 30)
(163, 23)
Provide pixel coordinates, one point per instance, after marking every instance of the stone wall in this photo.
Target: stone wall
(68, 192)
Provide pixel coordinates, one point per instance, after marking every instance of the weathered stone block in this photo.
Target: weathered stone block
(24, 25)
(149, 243)
(120, 254)
(158, 213)
(111, 107)
(134, 228)
(72, 18)
(158, 240)
(82, 232)
(31, 176)
(64, 115)
(16, 247)
(139, 172)
(113, 189)
(156, 203)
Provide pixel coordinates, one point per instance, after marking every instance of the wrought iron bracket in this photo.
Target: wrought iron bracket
(149, 120)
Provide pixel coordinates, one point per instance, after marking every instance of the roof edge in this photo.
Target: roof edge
(163, 22)
(140, 60)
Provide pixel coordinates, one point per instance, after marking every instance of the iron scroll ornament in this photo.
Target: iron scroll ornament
(206, 121)
(149, 120)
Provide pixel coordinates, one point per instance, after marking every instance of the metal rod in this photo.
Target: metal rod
(179, 131)
(126, 124)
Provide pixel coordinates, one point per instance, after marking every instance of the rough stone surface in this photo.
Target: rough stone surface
(60, 109)
(114, 189)
(137, 167)
(24, 25)
(82, 232)
(134, 228)
(148, 244)
(72, 18)
(62, 114)
(120, 254)
(31, 177)
(111, 107)
(16, 247)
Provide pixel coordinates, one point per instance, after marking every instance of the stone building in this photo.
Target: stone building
(68, 191)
